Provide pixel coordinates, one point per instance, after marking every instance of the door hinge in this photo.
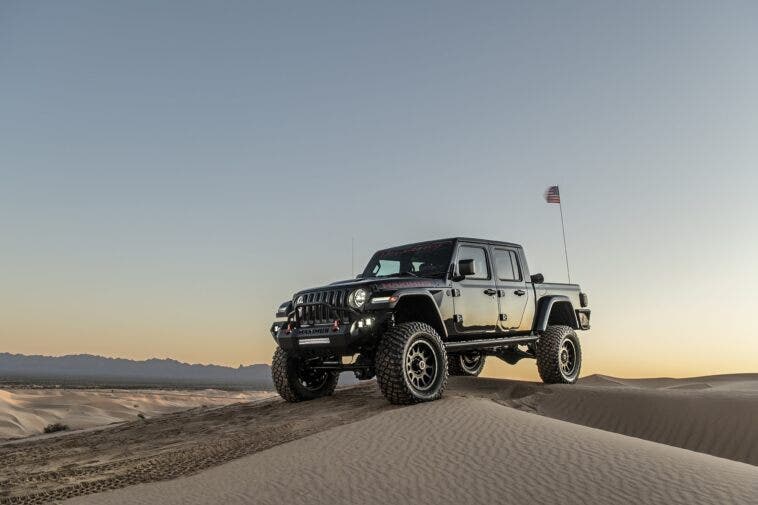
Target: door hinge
(458, 318)
(500, 293)
(503, 317)
(455, 292)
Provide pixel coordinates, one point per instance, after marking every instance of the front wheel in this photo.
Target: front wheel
(295, 382)
(411, 364)
(559, 355)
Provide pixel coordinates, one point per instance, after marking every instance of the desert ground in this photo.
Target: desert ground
(604, 440)
(27, 411)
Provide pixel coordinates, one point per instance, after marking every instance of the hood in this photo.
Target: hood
(382, 283)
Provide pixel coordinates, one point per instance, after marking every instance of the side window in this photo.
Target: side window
(506, 264)
(479, 256)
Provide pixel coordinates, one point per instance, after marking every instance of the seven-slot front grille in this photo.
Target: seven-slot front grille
(312, 313)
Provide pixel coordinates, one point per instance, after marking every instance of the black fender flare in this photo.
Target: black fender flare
(545, 307)
(440, 326)
(284, 309)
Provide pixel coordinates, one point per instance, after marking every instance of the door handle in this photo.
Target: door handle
(520, 292)
(490, 291)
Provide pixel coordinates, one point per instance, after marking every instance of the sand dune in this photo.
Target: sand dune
(714, 415)
(483, 443)
(459, 450)
(25, 412)
(53, 467)
(727, 382)
(720, 423)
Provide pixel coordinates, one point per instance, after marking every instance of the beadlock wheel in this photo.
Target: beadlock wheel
(559, 355)
(312, 380)
(295, 382)
(567, 358)
(471, 363)
(421, 367)
(468, 363)
(411, 364)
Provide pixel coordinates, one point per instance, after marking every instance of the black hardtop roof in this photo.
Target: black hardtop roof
(458, 239)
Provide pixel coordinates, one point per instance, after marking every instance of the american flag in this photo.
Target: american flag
(552, 195)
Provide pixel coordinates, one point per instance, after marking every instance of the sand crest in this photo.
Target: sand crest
(459, 450)
(487, 441)
(714, 415)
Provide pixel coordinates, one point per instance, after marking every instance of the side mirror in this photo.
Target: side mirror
(359, 276)
(466, 268)
(538, 278)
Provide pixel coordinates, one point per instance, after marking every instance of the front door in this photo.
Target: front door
(513, 294)
(475, 299)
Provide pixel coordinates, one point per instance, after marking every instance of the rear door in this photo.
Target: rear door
(475, 299)
(512, 292)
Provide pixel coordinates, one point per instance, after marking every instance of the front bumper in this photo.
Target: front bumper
(338, 337)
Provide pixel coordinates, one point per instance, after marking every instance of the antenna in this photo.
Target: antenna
(565, 249)
(352, 256)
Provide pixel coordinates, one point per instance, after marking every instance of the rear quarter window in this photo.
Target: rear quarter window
(507, 265)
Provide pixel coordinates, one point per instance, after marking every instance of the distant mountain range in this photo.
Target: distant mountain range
(85, 369)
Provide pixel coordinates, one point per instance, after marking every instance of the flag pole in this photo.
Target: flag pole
(565, 250)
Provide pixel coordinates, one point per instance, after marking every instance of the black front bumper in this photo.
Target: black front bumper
(342, 339)
(320, 327)
(304, 338)
(347, 332)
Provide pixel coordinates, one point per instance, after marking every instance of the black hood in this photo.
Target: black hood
(381, 283)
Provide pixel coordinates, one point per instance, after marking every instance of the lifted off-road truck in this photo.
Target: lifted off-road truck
(421, 312)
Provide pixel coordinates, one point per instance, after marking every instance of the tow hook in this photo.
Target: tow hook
(336, 325)
(289, 329)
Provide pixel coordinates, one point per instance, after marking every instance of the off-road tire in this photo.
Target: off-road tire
(456, 368)
(391, 363)
(284, 372)
(548, 350)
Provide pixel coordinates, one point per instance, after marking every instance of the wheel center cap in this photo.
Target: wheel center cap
(421, 365)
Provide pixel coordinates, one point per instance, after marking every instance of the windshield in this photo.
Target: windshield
(430, 259)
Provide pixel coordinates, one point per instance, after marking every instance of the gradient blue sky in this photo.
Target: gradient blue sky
(171, 171)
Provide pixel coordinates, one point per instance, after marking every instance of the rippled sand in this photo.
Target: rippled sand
(605, 440)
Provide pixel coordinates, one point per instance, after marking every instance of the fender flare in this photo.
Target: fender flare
(545, 308)
(425, 294)
(284, 309)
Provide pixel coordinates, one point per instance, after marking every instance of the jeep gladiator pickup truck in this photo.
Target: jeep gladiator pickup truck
(423, 311)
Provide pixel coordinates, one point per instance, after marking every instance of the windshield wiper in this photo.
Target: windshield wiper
(407, 272)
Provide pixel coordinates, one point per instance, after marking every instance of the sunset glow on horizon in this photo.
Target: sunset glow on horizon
(171, 175)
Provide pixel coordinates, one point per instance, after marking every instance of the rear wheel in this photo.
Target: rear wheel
(466, 363)
(411, 364)
(295, 382)
(559, 355)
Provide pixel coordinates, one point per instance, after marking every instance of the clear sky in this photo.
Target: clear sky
(171, 171)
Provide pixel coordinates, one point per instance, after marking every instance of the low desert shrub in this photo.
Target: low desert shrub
(52, 428)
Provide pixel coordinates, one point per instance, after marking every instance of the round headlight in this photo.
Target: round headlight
(357, 298)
